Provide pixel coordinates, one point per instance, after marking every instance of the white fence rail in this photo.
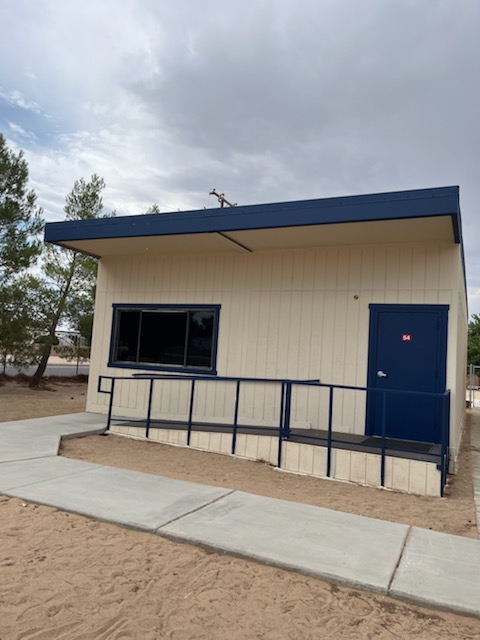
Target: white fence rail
(473, 385)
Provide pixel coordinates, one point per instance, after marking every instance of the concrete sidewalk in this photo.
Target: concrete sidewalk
(419, 565)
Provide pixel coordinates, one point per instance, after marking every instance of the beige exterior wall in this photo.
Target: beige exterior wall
(458, 366)
(294, 313)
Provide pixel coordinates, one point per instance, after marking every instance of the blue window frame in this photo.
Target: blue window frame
(172, 337)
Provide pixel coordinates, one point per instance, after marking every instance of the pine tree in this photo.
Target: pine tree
(474, 340)
(20, 218)
(70, 275)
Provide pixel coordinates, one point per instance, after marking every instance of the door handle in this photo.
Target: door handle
(381, 374)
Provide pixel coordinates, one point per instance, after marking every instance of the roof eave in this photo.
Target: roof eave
(443, 201)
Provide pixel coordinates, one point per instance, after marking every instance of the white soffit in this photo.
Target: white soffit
(433, 229)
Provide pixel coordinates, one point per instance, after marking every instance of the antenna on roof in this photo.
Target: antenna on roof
(221, 198)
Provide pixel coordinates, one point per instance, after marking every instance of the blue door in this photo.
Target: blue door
(407, 351)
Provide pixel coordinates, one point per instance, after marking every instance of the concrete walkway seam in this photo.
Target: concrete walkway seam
(402, 551)
(188, 513)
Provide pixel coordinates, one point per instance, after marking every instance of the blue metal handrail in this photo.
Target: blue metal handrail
(284, 429)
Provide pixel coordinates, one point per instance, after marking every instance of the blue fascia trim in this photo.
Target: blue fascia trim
(457, 230)
(405, 306)
(163, 367)
(163, 305)
(398, 205)
(457, 225)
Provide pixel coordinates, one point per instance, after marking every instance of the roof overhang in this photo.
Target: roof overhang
(404, 216)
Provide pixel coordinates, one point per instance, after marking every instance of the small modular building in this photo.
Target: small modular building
(325, 336)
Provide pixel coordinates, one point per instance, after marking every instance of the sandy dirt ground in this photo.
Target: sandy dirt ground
(55, 397)
(64, 577)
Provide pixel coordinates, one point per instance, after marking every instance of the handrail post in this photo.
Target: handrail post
(110, 406)
(288, 407)
(235, 417)
(149, 410)
(445, 440)
(280, 425)
(329, 436)
(190, 413)
(384, 425)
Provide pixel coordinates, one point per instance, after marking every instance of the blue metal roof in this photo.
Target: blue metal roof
(397, 205)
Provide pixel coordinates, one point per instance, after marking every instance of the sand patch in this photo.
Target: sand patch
(64, 577)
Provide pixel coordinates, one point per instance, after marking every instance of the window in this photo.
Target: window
(174, 337)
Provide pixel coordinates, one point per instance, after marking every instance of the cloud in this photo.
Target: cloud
(16, 99)
(20, 134)
(266, 101)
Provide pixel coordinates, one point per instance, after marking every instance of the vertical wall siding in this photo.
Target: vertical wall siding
(294, 313)
(459, 366)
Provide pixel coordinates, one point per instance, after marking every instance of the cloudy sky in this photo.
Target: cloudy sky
(265, 100)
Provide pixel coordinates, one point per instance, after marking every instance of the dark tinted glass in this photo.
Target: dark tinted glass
(162, 338)
(126, 347)
(177, 337)
(200, 338)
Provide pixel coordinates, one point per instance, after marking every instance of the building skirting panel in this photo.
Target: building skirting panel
(401, 474)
